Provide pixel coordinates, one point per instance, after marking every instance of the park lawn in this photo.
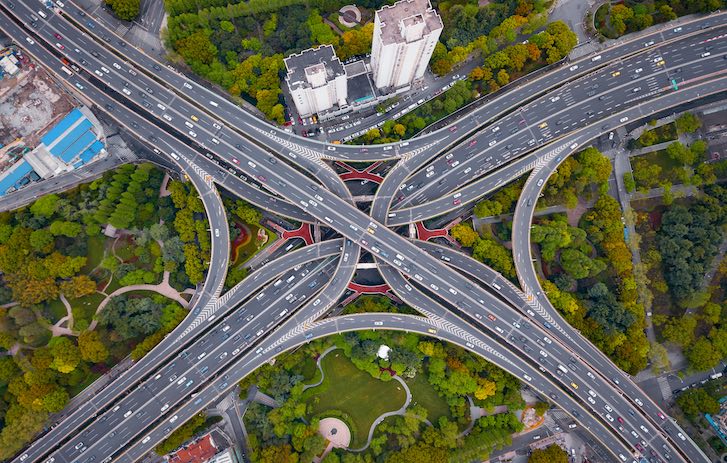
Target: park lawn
(422, 393)
(355, 393)
(84, 308)
(55, 310)
(96, 252)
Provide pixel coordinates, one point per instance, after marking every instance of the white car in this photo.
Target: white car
(573, 68)
(192, 134)
(492, 143)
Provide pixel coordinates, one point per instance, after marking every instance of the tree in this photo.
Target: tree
(69, 229)
(465, 234)
(680, 153)
(688, 123)
(551, 454)
(41, 240)
(695, 402)
(66, 355)
(197, 47)
(702, 355)
(91, 347)
(126, 10)
(130, 318)
(78, 286)
(45, 206)
(680, 330)
(629, 182)
(8, 369)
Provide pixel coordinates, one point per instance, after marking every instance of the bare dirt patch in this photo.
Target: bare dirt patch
(30, 106)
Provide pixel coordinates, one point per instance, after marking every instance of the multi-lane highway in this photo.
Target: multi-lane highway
(228, 335)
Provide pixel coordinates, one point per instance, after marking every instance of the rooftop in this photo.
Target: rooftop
(407, 21)
(196, 452)
(313, 67)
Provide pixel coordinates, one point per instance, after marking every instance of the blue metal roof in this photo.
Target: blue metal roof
(79, 146)
(64, 143)
(61, 127)
(14, 177)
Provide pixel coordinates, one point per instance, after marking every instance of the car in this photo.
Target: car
(615, 73)
(661, 415)
(57, 35)
(677, 29)
(609, 417)
(705, 54)
(623, 119)
(235, 161)
(146, 439)
(453, 128)
(174, 418)
(573, 68)
(492, 143)
(192, 134)
(78, 446)
(457, 202)
(60, 46)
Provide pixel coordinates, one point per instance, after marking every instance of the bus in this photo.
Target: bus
(66, 70)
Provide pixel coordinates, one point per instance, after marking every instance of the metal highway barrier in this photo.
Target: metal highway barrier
(283, 178)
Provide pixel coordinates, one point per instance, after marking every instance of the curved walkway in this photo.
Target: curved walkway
(163, 288)
(383, 416)
(318, 364)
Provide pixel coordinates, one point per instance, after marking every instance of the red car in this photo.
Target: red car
(491, 317)
(457, 202)
(57, 35)
(262, 179)
(661, 415)
(473, 142)
(453, 128)
(620, 420)
(235, 160)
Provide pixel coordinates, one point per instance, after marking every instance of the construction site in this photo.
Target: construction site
(43, 130)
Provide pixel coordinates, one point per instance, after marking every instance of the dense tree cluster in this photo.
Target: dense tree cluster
(486, 250)
(44, 252)
(550, 454)
(688, 240)
(127, 10)
(625, 18)
(575, 175)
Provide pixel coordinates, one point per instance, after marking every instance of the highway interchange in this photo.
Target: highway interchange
(279, 306)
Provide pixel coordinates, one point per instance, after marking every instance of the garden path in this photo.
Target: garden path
(163, 288)
(383, 416)
(318, 364)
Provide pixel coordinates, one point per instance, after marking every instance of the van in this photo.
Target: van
(283, 313)
(496, 286)
(42, 15)
(562, 368)
(213, 103)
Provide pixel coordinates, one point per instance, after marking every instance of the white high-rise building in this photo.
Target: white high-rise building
(405, 35)
(316, 80)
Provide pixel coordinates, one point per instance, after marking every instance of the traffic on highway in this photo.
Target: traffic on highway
(226, 336)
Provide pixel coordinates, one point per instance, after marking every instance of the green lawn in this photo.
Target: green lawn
(355, 393)
(84, 308)
(55, 310)
(76, 389)
(96, 250)
(422, 393)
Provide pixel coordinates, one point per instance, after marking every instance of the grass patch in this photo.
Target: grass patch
(309, 370)
(76, 389)
(96, 252)
(84, 308)
(55, 310)
(355, 393)
(422, 393)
